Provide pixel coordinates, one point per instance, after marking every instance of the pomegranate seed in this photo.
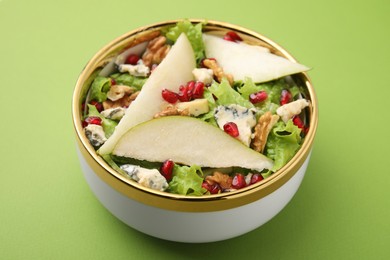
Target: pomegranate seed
(167, 169)
(98, 105)
(132, 59)
(92, 120)
(169, 96)
(258, 97)
(298, 122)
(256, 178)
(232, 36)
(185, 92)
(113, 81)
(231, 129)
(190, 87)
(212, 188)
(198, 90)
(238, 181)
(285, 97)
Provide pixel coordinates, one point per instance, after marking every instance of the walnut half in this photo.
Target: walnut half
(262, 130)
(218, 71)
(171, 110)
(156, 51)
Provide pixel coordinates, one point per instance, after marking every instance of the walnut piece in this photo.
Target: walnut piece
(119, 91)
(262, 130)
(217, 70)
(156, 51)
(223, 180)
(125, 101)
(171, 110)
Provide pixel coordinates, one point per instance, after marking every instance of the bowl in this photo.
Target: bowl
(180, 218)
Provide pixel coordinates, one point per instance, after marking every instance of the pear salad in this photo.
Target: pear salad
(188, 112)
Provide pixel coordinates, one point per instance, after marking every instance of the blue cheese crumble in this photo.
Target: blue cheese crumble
(150, 178)
(244, 118)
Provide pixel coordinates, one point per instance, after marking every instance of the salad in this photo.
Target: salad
(172, 117)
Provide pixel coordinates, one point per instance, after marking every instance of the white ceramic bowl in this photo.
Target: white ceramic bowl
(189, 218)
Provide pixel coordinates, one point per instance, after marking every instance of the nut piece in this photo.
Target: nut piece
(118, 91)
(156, 51)
(223, 180)
(125, 101)
(217, 70)
(262, 130)
(171, 110)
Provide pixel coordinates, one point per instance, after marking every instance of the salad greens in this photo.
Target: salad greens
(283, 141)
(187, 180)
(226, 95)
(193, 33)
(100, 87)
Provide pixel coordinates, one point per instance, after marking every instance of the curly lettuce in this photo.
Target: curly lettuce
(283, 142)
(99, 88)
(187, 180)
(193, 33)
(129, 80)
(226, 95)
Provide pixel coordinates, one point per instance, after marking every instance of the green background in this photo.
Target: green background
(342, 209)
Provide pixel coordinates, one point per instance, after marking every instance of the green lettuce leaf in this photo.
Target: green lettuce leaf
(107, 124)
(99, 88)
(129, 80)
(273, 89)
(209, 116)
(187, 180)
(282, 143)
(226, 95)
(193, 33)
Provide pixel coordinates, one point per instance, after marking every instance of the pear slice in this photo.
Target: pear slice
(243, 60)
(189, 141)
(173, 71)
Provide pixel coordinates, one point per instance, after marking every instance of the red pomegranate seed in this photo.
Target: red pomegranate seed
(98, 105)
(238, 181)
(232, 36)
(113, 82)
(190, 87)
(256, 178)
(92, 120)
(298, 122)
(169, 96)
(231, 129)
(285, 97)
(167, 169)
(132, 59)
(185, 92)
(212, 188)
(258, 97)
(198, 90)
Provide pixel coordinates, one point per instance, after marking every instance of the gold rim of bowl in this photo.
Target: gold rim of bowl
(177, 202)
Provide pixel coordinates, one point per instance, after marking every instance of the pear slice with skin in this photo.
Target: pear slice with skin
(173, 71)
(242, 60)
(188, 141)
